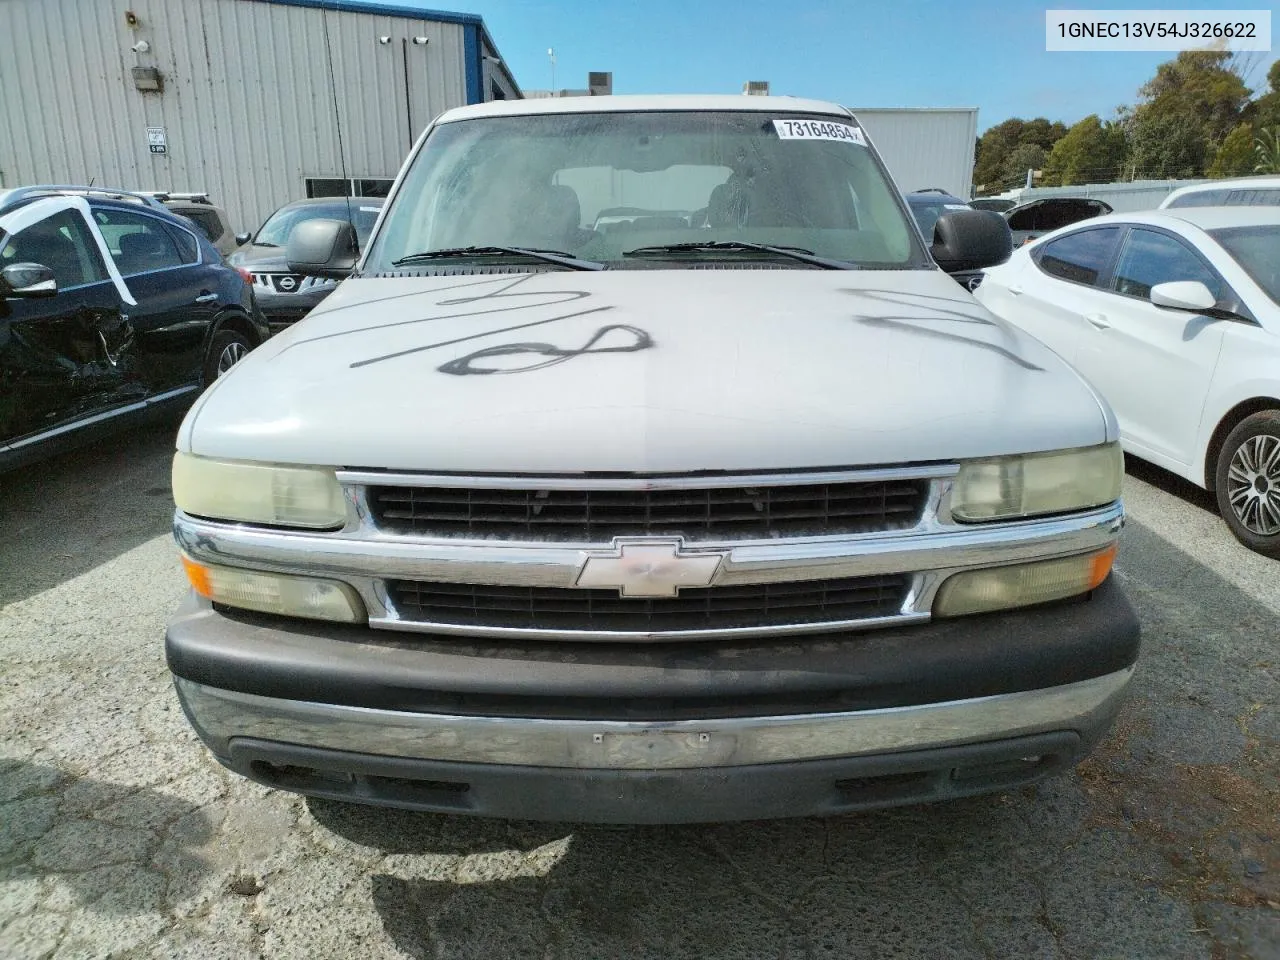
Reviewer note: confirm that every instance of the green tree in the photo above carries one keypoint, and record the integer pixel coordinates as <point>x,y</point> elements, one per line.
<point>996,147</point>
<point>1090,152</point>
<point>1025,156</point>
<point>1266,109</point>
<point>1235,157</point>
<point>1267,151</point>
<point>1186,111</point>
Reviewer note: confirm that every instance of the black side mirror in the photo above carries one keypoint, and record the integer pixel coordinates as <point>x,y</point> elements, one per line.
<point>323,248</point>
<point>971,240</point>
<point>242,239</point>
<point>28,281</point>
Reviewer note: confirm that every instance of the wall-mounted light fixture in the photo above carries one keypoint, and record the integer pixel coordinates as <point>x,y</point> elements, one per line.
<point>384,40</point>
<point>148,79</point>
<point>420,41</point>
<point>141,47</point>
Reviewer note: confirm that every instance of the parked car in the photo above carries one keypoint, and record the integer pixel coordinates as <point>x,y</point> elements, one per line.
<point>926,207</point>
<point>285,295</point>
<point>1249,191</point>
<point>998,204</point>
<point>1032,220</point>
<point>1175,317</point>
<point>198,208</point>
<point>615,510</point>
<point>111,309</point>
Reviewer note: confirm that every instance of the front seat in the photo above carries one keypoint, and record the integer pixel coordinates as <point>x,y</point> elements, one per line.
<point>552,218</point>
<point>41,244</point>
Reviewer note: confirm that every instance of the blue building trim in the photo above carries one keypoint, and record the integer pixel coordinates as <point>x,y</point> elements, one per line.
<point>474,60</point>
<point>386,10</point>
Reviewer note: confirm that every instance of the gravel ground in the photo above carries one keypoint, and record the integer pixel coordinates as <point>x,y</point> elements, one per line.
<point>119,836</point>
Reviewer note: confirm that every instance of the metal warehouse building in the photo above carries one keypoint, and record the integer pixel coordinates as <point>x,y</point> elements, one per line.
<point>925,147</point>
<point>257,102</point>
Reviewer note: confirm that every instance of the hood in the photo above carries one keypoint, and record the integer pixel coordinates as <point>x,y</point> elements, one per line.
<point>645,371</point>
<point>262,259</point>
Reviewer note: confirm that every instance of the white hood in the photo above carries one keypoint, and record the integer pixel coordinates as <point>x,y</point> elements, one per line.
<point>645,371</point>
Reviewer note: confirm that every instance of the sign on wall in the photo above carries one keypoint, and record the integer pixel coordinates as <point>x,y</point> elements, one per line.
<point>156,140</point>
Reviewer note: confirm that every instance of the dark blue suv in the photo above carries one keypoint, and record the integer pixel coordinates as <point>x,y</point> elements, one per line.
<point>111,308</point>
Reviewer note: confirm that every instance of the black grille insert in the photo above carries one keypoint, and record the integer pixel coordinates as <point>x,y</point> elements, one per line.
<point>595,516</point>
<point>701,608</point>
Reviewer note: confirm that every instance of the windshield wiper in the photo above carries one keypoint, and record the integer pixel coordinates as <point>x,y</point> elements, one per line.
<point>262,243</point>
<point>558,257</point>
<point>794,253</point>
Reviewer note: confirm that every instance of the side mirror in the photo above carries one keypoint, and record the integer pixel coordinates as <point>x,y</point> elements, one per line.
<point>322,248</point>
<point>242,239</point>
<point>1183,295</point>
<point>971,240</point>
<point>27,280</point>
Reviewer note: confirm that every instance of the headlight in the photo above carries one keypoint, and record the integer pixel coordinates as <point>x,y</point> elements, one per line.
<point>1022,584</point>
<point>257,492</point>
<point>275,593</point>
<point>1038,483</point>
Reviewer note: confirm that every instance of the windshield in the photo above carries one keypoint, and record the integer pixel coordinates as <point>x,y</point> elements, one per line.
<point>275,232</point>
<point>927,211</point>
<point>1257,250</point>
<point>597,185</point>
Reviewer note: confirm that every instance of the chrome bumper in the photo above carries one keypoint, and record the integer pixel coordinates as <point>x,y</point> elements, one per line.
<point>221,716</point>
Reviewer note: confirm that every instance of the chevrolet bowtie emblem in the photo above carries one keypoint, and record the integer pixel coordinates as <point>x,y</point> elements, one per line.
<point>649,568</point>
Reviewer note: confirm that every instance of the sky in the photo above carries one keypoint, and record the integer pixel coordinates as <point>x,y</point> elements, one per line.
<point>909,53</point>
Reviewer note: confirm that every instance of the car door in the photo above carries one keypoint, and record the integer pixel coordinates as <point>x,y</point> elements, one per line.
<point>1153,363</point>
<point>53,368</point>
<point>1052,297</point>
<point>176,295</point>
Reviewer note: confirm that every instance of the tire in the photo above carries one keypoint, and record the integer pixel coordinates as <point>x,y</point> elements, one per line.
<point>1248,482</point>
<point>227,348</point>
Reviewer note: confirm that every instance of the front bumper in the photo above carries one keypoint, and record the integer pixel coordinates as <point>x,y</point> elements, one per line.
<point>656,733</point>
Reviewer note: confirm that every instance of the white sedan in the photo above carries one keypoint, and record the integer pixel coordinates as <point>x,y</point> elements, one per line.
<point>1174,316</point>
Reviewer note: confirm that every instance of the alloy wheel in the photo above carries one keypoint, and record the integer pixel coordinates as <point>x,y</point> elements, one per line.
<point>231,354</point>
<point>1253,484</point>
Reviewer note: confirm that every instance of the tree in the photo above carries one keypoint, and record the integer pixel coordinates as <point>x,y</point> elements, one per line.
<point>1186,111</point>
<point>1267,151</point>
<point>1025,156</point>
<point>996,147</point>
<point>1235,158</point>
<point>1266,109</point>
<point>1090,152</point>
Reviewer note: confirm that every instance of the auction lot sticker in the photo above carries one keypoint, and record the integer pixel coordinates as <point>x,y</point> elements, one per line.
<point>819,130</point>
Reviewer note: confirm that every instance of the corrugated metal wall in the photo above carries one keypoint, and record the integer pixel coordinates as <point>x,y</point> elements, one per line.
<point>925,148</point>
<point>247,106</point>
<point>1123,197</point>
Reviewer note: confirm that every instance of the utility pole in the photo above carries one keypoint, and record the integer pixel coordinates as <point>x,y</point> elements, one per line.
<point>551,55</point>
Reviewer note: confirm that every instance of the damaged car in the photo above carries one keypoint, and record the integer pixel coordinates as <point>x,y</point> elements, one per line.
<point>112,309</point>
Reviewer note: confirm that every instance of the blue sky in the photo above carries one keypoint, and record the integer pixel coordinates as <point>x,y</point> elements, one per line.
<point>910,53</point>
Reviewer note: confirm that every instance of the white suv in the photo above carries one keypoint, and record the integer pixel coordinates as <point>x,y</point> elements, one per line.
<point>737,507</point>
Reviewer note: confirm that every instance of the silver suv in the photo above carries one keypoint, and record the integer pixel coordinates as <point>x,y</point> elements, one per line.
<point>735,506</point>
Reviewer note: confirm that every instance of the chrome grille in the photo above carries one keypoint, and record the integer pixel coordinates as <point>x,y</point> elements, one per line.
<point>702,608</point>
<point>597,516</point>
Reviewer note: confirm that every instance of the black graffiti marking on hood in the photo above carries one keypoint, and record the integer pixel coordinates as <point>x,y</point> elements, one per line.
<point>912,322</point>
<point>465,366</point>
<point>546,298</point>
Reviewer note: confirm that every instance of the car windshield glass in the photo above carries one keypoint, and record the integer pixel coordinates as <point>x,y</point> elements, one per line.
<point>1257,250</point>
<point>275,232</point>
<point>927,212</point>
<point>599,184</point>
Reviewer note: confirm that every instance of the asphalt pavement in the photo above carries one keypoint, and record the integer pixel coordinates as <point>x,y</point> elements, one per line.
<point>121,837</point>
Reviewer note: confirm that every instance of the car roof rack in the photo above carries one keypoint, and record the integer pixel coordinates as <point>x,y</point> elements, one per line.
<point>191,196</point>
<point>933,190</point>
<point>22,194</point>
